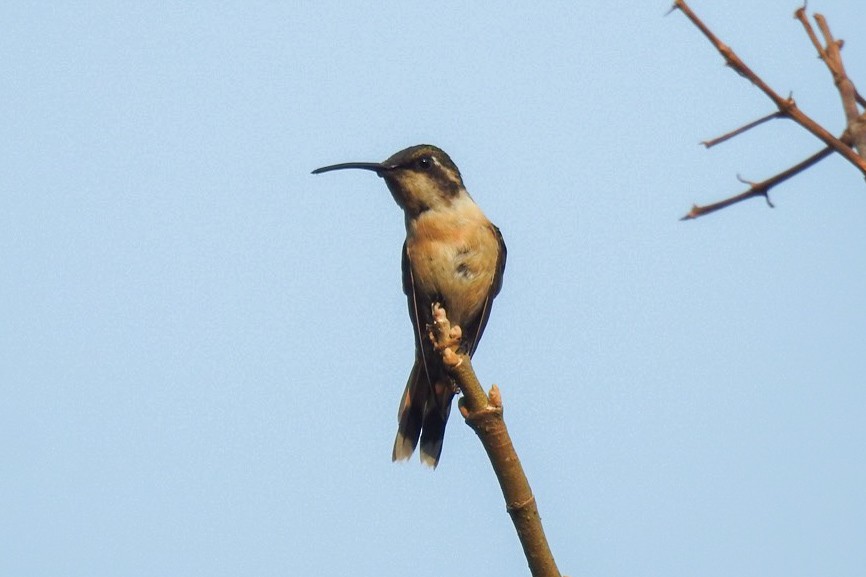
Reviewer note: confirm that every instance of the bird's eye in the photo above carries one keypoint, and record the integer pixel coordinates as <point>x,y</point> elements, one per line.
<point>425,163</point>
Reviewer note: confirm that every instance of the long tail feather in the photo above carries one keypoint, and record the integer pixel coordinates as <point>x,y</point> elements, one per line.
<point>422,416</point>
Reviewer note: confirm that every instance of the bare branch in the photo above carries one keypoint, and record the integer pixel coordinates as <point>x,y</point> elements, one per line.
<point>831,54</point>
<point>484,414</point>
<point>800,14</point>
<point>759,188</point>
<point>787,106</point>
<point>740,130</point>
<point>852,141</point>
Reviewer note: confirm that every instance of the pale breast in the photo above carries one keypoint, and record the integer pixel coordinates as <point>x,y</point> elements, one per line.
<point>454,258</point>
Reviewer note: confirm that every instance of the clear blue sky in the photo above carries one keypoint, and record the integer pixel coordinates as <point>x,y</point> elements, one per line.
<point>202,346</point>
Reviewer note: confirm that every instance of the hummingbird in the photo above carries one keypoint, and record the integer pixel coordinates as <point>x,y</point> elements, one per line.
<point>454,256</point>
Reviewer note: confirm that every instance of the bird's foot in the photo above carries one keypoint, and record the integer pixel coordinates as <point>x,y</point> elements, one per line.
<point>444,336</point>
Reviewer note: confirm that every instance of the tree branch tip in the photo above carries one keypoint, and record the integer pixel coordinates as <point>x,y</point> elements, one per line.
<point>495,397</point>
<point>672,9</point>
<point>692,214</point>
<point>800,11</point>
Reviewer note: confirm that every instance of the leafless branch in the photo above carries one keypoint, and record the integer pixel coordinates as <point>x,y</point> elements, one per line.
<point>831,54</point>
<point>848,145</point>
<point>483,413</point>
<point>740,130</point>
<point>759,188</point>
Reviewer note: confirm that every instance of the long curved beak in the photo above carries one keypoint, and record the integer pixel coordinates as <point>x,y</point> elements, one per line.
<point>376,167</point>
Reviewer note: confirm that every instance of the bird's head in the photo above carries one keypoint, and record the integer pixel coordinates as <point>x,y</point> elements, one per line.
<point>420,178</point>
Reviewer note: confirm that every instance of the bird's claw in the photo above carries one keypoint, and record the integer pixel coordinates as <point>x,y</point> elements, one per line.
<point>442,334</point>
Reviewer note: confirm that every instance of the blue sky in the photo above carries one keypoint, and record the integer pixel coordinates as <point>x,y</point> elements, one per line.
<point>202,346</point>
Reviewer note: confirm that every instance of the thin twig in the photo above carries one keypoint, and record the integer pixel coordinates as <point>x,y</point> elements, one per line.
<point>759,188</point>
<point>831,54</point>
<point>740,130</point>
<point>800,14</point>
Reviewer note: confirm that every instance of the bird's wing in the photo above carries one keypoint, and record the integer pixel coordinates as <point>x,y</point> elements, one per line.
<point>472,333</point>
<point>419,324</point>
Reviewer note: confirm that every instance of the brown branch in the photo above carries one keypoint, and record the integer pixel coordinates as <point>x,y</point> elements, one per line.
<point>832,57</point>
<point>484,414</point>
<point>853,139</point>
<point>740,130</point>
<point>860,100</point>
<point>787,107</point>
<point>759,188</point>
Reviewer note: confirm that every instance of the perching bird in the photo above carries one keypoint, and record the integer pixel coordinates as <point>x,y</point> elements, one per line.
<point>454,256</point>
